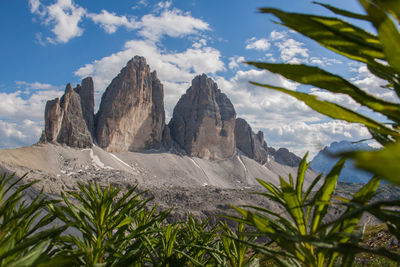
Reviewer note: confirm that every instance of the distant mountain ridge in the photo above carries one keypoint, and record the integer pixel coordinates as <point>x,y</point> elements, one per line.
<point>324,161</point>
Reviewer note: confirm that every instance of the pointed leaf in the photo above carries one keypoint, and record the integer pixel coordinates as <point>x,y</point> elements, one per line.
<point>383,162</point>
<point>324,194</point>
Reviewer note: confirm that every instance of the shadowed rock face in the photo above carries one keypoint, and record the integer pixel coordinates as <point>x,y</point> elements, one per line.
<point>131,115</point>
<point>253,145</point>
<point>86,92</point>
<point>283,156</point>
<point>203,121</point>
<point>65,122</point>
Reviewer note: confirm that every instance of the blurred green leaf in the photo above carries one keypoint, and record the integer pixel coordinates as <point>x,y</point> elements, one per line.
<point>334,34</point>
<point>384,163</point>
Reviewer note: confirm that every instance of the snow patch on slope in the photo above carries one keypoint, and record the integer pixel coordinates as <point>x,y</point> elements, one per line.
<point>123,162</point>
<point>97,162</point>
<point>244,166</point>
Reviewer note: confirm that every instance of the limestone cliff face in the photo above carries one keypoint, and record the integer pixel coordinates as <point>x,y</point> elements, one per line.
<point>203,121</point>
<point>65,122</point>
<point>253,145</point>
<point>86,93</point>
<point>131,115</point>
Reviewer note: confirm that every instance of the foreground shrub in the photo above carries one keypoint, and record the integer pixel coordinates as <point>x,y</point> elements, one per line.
<point>303,235</point>
<point>24,239</point>
<point>380,53</point>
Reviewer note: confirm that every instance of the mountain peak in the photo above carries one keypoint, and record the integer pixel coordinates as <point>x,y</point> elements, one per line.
<point>203,121</point>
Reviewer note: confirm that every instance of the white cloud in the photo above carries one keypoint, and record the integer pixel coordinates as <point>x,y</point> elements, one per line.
<point>292,51</point>
<point>199,43</point>
<point>17,106</point>
<point>235,61</point>
<point>275,35</point>
<point>110,21</point>
<point>302,137</point>
<point>372,84</point>
<point>163,5</point>
<point>63,16</point>
<point>34,6</point>
<point>22,112</point>
<point>173,23</point>
<point>140,3</point>
<point>258,44</point>
<point>36,86</point>
<point>341,99</point>
<point>324,61</point>
<point>24,133</point>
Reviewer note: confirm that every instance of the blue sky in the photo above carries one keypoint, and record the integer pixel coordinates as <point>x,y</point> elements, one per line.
<point>47,43</point>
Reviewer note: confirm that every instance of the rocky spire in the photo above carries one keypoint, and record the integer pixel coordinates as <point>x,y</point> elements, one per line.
<point>65,122</point>
<point>203,121</point>
<point>131,115</point>
<point>86,93</point>
<point>251,144</point>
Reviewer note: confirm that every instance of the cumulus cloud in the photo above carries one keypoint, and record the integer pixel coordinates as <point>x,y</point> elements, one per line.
<point>18,105</point>
<point>258,44</point>
<point>200,43</point>
<point>24,133</point>
<point>372,84</point>
<point>292,51</point>
<point>235,61</point>
<point>341,99</point>
<point>302,137</point>
<point>276,35</point>
<point>63,17</point>
<point>36,86</point>
<point>140,3</point>
<point>34,6</point>
<point>110,21</point>
<point>174,23</point>
<point>21,113</point>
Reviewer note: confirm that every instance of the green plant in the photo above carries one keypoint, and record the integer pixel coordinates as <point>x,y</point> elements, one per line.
<point>304,234</point>
<point>378,52</point>
<point>235,247</point>
<point>24,242</point>
<point>111,230</point>
<point>188,243</point>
